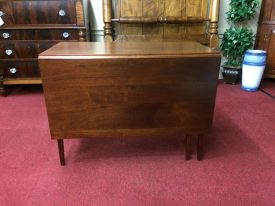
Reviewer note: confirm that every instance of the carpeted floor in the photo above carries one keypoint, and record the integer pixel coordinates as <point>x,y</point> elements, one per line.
<point>238,168</point>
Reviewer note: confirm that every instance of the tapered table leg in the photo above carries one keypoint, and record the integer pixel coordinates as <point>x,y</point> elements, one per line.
<point>200,147</point>
<point>60,144</point>
<point>188,147</point>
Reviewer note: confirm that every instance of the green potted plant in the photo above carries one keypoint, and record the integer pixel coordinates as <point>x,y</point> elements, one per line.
<point>238,38</point>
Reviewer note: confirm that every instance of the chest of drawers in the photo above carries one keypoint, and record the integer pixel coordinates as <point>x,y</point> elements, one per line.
<point>266,36</point>
<point>31,27</point>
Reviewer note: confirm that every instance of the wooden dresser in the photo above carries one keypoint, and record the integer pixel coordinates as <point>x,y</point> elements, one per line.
<point>29,28</point>
<point>266,35</point>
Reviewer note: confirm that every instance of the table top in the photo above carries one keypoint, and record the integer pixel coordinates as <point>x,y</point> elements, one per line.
<point>96,50</point>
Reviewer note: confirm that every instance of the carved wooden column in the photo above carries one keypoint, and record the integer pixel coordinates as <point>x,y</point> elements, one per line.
<point>213,26</point>
<point>107,19</point>
<point>80,20</point>
<point>79,13</point>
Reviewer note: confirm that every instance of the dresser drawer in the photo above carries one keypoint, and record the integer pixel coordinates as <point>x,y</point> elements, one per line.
<point>39,34</point>
<point>23,49</point>
<point>38,12</point>
<point>20,69</point>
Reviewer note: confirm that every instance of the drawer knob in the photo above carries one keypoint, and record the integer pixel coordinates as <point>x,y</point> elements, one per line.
<point>6,35</point>
<point>9,52</point>
<point>66,35</point>
<point>273,31</point>
<point>62,13</point>
<point>13,70</point>
<point>266,36</point>
<point>2,13</point>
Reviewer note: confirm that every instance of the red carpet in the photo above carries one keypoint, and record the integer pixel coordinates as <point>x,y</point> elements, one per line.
<point>238,168</point>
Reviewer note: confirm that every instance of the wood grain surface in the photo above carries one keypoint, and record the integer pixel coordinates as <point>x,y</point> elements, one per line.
<point>46,12</point>
<point>131,91</point>
<point>165,9</point>
<point>126,49</point>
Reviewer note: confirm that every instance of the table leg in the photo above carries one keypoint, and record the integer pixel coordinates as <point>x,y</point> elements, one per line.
<point>188,147</point>
<point>60,144</point>
<point>200,147</point>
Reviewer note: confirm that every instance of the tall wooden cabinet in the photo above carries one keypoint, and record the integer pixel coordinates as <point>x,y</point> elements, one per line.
<point>29,28</point>
<point>266,35</point>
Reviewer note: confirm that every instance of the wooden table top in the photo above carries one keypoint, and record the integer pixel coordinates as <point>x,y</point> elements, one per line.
<point>95,50</point>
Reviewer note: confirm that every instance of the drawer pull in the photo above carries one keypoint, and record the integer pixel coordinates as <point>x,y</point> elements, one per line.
<point>9,52</point>
<point>2,13</point>
<point>6,35</point>
<point>66,35</point>
<point>266,36</point>
<point>62,13</point>
<point>13,70</point>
